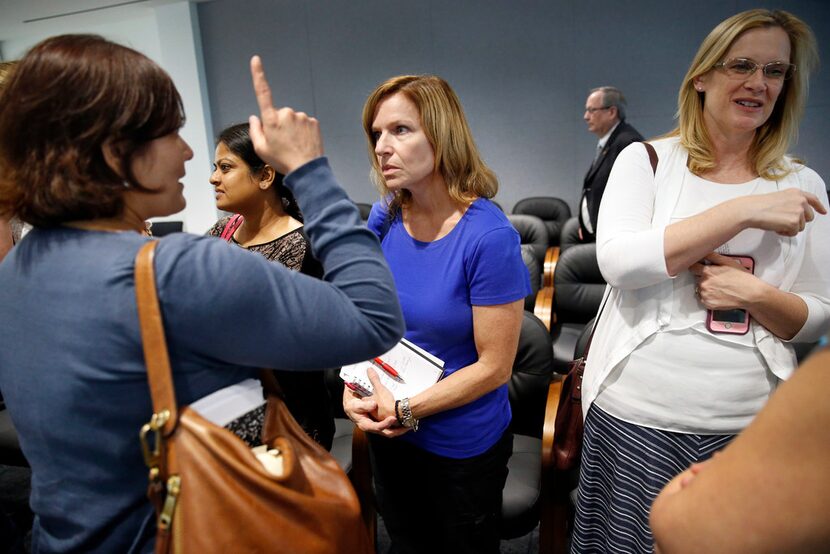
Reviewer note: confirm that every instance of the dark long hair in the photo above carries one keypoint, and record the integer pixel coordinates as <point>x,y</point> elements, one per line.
<point>68,97</point>
<point>238,140</point>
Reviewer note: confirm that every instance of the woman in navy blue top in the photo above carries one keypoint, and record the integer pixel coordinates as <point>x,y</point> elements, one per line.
<point>440,457</point>
<point>90,149</point>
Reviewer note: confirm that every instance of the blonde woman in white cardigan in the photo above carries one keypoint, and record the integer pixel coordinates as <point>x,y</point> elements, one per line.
<point>662,389</point>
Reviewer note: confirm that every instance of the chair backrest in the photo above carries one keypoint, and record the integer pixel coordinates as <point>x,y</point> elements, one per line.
<point>569,235</point>
<point>582,341</point>
<point>10,452</point>
<point>532,231</point>
<point>551,210</point>
<point>335,386</point>
<point>532,371</point>
<point>578,284</point>
<point>365,209</point>
<point>162,228</point>
<point>534,270</point>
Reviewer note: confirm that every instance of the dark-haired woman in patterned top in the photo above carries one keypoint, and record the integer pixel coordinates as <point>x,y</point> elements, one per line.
<point>268,221</point>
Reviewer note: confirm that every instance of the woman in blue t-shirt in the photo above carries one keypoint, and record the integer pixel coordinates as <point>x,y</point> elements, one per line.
<point>440,458</point>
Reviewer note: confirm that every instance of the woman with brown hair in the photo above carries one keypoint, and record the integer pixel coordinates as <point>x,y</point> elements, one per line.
<point>440,469</point>
<point>90,149</point>
<point>716,262</point>
<point>9,230</point>
<point>267,220</point>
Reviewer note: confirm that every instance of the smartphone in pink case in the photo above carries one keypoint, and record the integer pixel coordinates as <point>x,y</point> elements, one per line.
<point>736,321</point>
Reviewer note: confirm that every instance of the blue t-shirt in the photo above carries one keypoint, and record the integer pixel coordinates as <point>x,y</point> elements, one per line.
<point>478,263</point>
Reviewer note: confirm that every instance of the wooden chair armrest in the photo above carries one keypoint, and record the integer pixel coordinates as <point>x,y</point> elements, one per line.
<point>361,476</point>
<point>553,506</point>
<point>549,428</point>
<point>543,308</point>
<point>551,257</point>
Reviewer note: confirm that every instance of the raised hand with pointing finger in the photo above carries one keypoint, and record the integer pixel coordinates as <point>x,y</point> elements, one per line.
<point>285,139</point>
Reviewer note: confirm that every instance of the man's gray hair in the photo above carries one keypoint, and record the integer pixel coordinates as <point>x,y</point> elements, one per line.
<point>612,96</point>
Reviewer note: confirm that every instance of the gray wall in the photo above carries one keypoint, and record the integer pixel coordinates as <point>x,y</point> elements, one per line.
<point>521,68</point>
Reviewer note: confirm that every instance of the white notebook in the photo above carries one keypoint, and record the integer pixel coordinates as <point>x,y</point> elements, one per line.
<point>227,404</point>
<point>417,370</point>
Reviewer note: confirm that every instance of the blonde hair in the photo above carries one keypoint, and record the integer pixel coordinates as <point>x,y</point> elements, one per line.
<point>456,156</point>
<point>773,138</point>
<point>5,72</point>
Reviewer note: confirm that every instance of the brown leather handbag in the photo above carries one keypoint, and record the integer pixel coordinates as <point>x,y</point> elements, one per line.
<point>210,491</point>
<point>567,440</point>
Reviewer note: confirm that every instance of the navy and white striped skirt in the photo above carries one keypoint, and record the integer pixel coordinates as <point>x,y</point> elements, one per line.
<point>624,467</point>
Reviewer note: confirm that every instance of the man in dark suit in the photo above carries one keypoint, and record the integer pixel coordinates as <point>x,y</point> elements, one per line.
<point>605,116</point>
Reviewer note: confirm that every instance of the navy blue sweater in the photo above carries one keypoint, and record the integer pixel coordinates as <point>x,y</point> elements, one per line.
<point>72,369</point>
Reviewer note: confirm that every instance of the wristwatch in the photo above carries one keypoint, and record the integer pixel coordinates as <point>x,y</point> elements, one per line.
<point>406,418</point>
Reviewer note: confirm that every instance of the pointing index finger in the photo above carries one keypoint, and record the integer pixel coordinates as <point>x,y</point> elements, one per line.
<point>261,87</point>
<point>813,200</point>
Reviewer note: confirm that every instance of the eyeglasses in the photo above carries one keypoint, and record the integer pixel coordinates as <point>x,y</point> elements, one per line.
<point>592,110</point>
<point>739,68</point>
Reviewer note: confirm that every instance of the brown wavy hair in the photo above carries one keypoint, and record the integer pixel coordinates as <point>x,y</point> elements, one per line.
<point>68,97</point>
<point>456,156</point>
<point>773,138</point>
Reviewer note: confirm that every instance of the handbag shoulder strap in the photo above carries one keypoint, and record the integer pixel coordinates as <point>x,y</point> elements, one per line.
<point>596,321</point>
<point>270,384</point>
<point>231,226</point>
<point>156,357</point>
<point>652,156</point>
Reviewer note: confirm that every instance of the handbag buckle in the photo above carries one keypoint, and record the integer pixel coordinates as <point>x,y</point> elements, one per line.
<point>151,454</point>
<point>174,484</point>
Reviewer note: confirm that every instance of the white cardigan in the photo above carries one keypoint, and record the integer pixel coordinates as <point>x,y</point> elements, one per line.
<point>636,208</point>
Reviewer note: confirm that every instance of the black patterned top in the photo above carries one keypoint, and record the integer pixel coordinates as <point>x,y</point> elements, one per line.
<point>291,249</point>
<point>305,392</point>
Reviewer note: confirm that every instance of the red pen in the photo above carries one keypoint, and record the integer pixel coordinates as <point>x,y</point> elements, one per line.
<point>387,368</point>
<point>357,389</point>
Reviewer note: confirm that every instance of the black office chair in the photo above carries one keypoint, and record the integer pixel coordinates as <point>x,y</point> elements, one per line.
<point>554,212</point>
<point>578,288</point>
<point>528,390</point>
<point>351,450</point>
<point>533,238</point>
<point>804,349</point>
<point>10,453</point>
<point>570,234</point>
<point>341,447</point>
<point>535,272</point>
<point>532,232</point>
<point>162,228</point>
<point>551,210</point>
<point>535,491</point>
<point>365,210</point>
